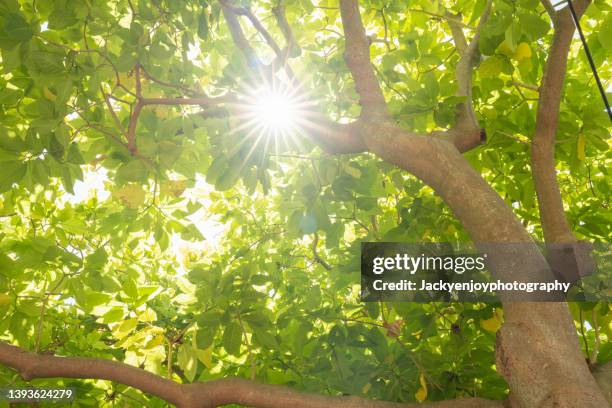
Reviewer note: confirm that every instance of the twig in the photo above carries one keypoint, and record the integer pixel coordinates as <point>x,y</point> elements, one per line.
<point>316,255</point>
<point>526,86</point>
<point>249,348</point>
<point>550,10</point>
<point>593,357</point>
<point>113,114</point>
<point>583,334</point>
<point>442,17</point>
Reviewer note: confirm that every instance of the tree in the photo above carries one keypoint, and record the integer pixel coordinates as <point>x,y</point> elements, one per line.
<point>397,103</point>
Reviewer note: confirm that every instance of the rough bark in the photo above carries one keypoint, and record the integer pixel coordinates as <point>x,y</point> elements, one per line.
<point>603,376</point>
<point>554,222</point>
<point>357,56</point>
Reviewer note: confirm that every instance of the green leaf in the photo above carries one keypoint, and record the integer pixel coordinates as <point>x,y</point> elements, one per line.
<point>62,16</point>
<point>97,259</point>
<point>513,33</point>
<point>187,360</point>
<point>74,154</point>
<point>265,337</point>
<point>605,34</point>
<point>47,63</point>
<point>16,30</point>
<point>205,337</point>
<point>113,316</point>
<point>133,171</point>
<point>67,179</point>
<point>228,179</point>
<point>232,338</point>
<point>130,288</point>
<point>533,26</point>
<point>216,169</point>
<point>367,203</point>
<point>491,67</point>
<point>209,319</point>
<point>12,172</point>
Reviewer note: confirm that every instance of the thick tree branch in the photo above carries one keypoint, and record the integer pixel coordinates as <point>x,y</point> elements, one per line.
<point>357,56</point>
<point>244,11</point>
<point>197,395</point>
<point>554,223</point>
<point>231,14</point>
<point>238,35</point>
<point>291,48</point>
<point>456,27</point>
<point>332,137</point>
<point>264,33</point>
<point>131,133</point>
<point>281,19</point>
<point>549,9</point>
<point>227,391</point>
<point>31,366</point>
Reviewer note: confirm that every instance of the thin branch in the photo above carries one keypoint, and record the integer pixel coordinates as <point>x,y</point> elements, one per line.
<point>132,128</point>
<point>169,359</point>
<point>249,348</point>
<point>281,55</point>
<point>202,101</point>
<point>466,134</point>
<point>105,132</point>
<point>583,335</point>
<point>41,320</point>
<point>448,17</point>
<point>549,9</point>
<point>466,66</point>
<point>595,352</point>
<point>526,86</point>
<point>389,85</point>
<point>386,29</point>
<point>111,110</point>
<point>168,84</point>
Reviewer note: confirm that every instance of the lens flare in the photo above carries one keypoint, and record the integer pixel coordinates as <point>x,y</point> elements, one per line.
<point>272,117</point>
<point>275,111</point>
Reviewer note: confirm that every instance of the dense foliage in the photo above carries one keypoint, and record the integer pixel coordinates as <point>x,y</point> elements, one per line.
<point>212,249</point>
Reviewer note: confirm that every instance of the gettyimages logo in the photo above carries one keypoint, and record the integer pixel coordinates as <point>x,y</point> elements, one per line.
<point>425,272</point>
<point>411,264</point>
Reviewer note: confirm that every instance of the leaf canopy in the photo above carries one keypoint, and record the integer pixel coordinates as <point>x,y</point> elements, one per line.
<point>200,247</point>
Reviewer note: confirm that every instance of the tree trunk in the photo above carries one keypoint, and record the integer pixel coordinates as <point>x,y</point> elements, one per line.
<point>537,347</point>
